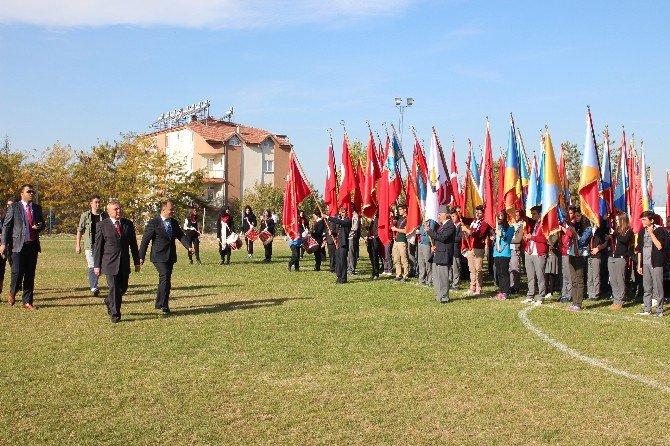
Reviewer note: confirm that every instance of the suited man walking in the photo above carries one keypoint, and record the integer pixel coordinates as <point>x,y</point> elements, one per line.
<point>443,253</point>
<point>162,232</point>
<point>114,236</point>
<point>21,241</point>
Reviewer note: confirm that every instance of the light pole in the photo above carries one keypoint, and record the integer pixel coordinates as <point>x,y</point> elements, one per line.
<point>401,107</point>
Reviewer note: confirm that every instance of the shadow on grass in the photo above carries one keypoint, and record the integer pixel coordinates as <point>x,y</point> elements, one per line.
<point>217,308</point>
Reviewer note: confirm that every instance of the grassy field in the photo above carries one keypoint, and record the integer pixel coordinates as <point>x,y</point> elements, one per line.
<point>253,354</point>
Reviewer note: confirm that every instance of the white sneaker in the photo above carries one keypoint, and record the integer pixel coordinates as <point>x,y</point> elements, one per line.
<point>644,313</point>
<point>548,296</point>
<point>528,300</point>
<point>537,303</point>
<point>654,302</point>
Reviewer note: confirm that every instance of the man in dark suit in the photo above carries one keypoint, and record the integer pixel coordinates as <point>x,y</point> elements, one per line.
<point>373,246</point>
<point>21,241</point>
<point>318,230</point>
<point>162,232</point>
<point>114,236</point>
<point>342,224</point>
<point>443,253</point>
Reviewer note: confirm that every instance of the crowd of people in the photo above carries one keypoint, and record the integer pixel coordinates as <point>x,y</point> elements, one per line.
<point>580,261</point>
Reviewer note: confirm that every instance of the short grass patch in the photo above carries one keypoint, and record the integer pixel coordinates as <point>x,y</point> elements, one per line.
<point>254,354</point>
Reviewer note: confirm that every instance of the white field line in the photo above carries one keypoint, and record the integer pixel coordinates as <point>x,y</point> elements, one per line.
<point>523,315</point>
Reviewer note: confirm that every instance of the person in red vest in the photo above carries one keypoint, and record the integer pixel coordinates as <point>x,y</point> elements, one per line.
<point>536,247</point>
<point>477,234</point>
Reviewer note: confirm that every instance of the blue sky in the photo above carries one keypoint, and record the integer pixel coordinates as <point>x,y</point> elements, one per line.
<point>80,71</point>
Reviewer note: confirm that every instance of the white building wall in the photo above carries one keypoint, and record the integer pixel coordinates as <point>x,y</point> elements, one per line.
<point>179,147</point>
<point>252,167</point>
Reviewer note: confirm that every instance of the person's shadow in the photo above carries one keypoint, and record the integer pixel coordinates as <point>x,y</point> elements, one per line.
<point>216,308</point>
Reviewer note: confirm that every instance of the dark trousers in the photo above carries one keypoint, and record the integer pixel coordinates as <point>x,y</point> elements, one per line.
<point>295,257</point>
<point>3,265</point>
<point>318,258</point>
<point>373,252</point>
<point>250,245</point>
<point>268,251</point>
<point>502,273</point>
<point>577,267</point>
<point>331,256</point>
<point>194,240</point>
<point>224,251</point>
<point>341,262</point>
<point>23,272</point>
<point>118,285</point>
<point>164,284</point>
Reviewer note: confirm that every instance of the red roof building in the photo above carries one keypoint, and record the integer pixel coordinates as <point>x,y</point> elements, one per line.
<point>233,157</point>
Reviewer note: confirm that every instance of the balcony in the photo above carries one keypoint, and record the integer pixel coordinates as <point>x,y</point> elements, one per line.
<point>213,176</point>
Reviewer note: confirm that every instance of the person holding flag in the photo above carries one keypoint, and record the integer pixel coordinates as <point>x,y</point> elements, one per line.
<point>652,244</point>
<point>477,234</point>
<point>502,254</point>
<point>342,225</point>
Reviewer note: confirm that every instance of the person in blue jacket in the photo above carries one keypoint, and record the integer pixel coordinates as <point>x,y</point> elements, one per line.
<point>502,254</point>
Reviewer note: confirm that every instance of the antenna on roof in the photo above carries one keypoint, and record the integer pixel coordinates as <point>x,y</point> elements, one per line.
<point>181,116</point>
<point>229,114</point>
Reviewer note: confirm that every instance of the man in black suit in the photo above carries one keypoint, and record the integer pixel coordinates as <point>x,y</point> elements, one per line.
<point>342,225</point>
<point>373,246</point>
<point>114,236</point>
<point>162,232</point>
<point>318,230</point>
<point>21,241</point>
<point>443,253</point>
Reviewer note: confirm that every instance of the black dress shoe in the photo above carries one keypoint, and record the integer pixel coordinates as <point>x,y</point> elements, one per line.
<point>96,292</point>
<point>289,267</point>
<point>165,310</point>
<point>115,320</point>
<point>222,262</point>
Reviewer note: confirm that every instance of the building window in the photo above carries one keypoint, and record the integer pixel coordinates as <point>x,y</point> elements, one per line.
<point>268,166</point>
<point>234,141</point>
<point>210,193</point>
<point>210,164</point>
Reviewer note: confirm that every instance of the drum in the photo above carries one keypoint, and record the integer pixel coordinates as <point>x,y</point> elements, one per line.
<point>251,235</point>
<point>311,245</point>
<point>234,241</point>
<point>265,237</point>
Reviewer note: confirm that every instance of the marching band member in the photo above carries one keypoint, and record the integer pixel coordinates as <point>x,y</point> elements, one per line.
<point>193,234</point>
<point>267,224</point>
<point>249,222</point>
<point>318,230</point>
<point>224,228</point>
<point>652,242</point>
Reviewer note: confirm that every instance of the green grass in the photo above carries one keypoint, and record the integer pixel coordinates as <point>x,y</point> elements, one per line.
<point>254,354</point>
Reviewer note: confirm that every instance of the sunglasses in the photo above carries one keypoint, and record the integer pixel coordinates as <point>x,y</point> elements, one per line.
<point>30,191</point>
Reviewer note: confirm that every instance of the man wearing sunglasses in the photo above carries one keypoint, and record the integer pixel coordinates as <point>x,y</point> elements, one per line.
<point>21,241</point>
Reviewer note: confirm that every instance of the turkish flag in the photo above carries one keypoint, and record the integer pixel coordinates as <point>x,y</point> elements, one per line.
<point>295,192</point>
<point>370,180</point>
<point>348,180</point>
<point>330,192</point>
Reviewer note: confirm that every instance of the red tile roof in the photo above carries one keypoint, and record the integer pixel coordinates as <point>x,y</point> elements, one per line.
<point>220,131</point>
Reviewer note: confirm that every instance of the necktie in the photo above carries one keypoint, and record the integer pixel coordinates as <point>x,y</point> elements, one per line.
<point>29,213</point>
<point>168,228</point>
<point>117,226</point>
